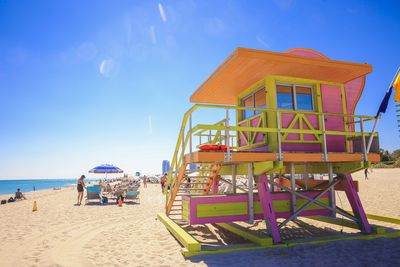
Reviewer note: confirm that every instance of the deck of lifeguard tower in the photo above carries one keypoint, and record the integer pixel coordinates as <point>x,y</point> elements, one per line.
<point>265,140</point>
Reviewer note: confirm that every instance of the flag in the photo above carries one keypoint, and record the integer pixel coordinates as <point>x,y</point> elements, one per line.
<point>396,87</point>
<point>385,101</point>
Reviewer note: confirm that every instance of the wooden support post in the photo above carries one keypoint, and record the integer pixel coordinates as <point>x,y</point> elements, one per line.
<point>324,145</point>
<point>305,175</point>
<point>215,185</point>
<point>332,197</point>
<point>278,122</point>
<point>268,209</point>
<point>227,143</point>
<point>364,149</point>
<point>234,178</point>
<point>292,187</point>
<point>355,204</point>
<point>190,138</point>
<point>250,178</point>
<point>272,179</point>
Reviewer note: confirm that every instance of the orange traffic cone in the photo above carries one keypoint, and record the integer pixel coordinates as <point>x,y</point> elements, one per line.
<point>120,202</point>
<point>34,208</point>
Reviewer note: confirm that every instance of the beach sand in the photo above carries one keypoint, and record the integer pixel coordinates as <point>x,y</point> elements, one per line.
<point>61,234</point>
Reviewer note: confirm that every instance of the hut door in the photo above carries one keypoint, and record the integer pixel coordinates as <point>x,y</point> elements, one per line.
<point>332,103</point>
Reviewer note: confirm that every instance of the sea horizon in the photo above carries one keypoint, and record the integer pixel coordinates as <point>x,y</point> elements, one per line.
<point>9,186</point>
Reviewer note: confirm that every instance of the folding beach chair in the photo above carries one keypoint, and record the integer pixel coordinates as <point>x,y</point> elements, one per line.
<point>93,193</point>
<point>133,196</point>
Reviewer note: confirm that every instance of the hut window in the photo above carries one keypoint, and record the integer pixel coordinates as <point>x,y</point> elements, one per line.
<point>254,100</point>
<point>285,96</point>
<point>248,102</point>
<point>295,97</point>
<point>304,98</point>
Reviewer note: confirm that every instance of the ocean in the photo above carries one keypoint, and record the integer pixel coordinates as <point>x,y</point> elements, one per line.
<point>10,186</point>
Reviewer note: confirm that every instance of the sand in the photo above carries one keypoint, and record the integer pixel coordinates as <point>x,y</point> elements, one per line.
<point>61,234</point>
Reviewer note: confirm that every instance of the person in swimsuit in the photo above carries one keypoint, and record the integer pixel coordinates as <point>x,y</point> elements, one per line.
<point>19,195</point>
<point>80,184</point>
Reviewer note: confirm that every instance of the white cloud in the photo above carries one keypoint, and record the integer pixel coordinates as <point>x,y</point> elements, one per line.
<point>262,41</point>
<point>162,12</point>
<point>152,33</point>
<point>107,67</point>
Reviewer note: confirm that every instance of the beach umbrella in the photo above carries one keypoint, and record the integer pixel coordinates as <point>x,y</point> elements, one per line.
<point>106,168</point>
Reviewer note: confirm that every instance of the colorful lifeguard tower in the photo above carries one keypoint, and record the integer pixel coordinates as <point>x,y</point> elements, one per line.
<point>282,119</point>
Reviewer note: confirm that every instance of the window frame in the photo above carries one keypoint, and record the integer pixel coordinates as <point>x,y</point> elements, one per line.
<point>294,94</point>
<point>252,95</point>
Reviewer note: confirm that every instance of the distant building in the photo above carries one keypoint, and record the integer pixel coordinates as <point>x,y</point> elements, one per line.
<point>193,166</point>
<point>165,166</point>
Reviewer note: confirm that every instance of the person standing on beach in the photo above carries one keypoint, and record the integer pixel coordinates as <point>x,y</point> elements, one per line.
<point>366,173</point>
<point>80,184</point>
<point>163,179</point>
<point>145,181</point>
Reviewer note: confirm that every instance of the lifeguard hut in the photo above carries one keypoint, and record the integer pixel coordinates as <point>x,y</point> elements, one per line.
<point>287,114</point>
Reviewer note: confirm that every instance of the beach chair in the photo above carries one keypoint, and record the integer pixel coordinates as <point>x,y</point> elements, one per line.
<point>133,188</point>
<point>133,196</point>
<point>93,193</point>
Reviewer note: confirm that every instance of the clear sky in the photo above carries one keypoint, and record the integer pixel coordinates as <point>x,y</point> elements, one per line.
<point>89,82</point>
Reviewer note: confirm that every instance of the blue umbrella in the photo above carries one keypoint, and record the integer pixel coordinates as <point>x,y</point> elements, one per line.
<point>106,168</point>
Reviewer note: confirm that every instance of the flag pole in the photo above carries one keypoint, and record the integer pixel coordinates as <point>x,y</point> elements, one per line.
<point>371,137</point>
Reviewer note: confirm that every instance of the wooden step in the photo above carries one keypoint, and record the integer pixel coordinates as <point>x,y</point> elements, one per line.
<point>193,183</point>
<point>199,170</point>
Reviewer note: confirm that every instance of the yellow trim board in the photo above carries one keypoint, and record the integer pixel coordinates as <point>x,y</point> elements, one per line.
<point>184,238</point>
<point>380,218</point>
<point>246,234</point>
<point>188,253</point>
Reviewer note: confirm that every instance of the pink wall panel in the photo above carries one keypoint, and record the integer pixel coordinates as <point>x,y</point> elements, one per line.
<point>352,90</point>
<point>301,147</point>
<point>332,103</point>
<point>286,120</point>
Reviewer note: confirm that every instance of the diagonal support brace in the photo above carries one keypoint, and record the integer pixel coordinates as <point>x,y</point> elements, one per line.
<point>319,203</point>
<point>268,210</point>
<point>310,202</point>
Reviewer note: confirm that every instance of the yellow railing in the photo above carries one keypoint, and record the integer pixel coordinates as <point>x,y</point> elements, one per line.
<point>227,133</point>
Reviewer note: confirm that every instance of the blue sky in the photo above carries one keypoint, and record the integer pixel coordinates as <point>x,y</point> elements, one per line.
<point>90,82</point>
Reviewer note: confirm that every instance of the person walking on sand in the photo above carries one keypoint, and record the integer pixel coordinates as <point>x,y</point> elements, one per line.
<point>80,184</point>
<point>366,173</point>
<point>145,181</point>
<point>163,179</point>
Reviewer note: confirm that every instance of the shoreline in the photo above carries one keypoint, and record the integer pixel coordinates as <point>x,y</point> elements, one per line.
<point>72,183</point>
